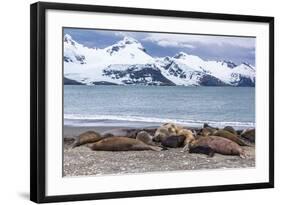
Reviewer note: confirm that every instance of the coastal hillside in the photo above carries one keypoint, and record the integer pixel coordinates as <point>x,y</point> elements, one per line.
<point>128,62</point>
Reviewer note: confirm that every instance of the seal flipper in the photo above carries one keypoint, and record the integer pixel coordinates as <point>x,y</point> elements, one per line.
<point>76,143</point>
<point>185,148</point>
<point>155,148</point>
<point>243,155</point>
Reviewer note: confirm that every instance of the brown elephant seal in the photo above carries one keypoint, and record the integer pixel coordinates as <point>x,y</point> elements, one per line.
<point>162,133</point>
<point>202,149</point>
<point>128,132</point>
<point>131,133</point>
<point>207,131</point>
<point>230,136</point>
<point>169,129</point>
<point>122,144</point>
<point>87,137</point>
<point>171,135</point>
<point>230,129</point>
<point>173,141</point>
<point>145,137</point>
<point>174,128</point>
<point>188,135</point>
<point>249,134</point>
<point>218,145</point>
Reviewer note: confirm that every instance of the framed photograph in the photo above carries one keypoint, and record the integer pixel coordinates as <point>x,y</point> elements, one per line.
<point>129,102</point>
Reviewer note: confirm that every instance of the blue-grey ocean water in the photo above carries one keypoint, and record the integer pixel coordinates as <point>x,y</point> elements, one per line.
<point>139,106</point>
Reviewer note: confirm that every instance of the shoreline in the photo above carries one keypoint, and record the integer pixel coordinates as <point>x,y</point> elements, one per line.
<point>117,123</point>
<point>82,161</point>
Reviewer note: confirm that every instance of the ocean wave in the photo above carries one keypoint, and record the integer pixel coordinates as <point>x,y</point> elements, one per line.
<point>105,118</point>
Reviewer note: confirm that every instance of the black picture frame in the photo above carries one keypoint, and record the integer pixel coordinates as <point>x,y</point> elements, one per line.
<point>38,101</point>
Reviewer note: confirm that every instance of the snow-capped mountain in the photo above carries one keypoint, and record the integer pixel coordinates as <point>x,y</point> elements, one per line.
<point>127,62</point>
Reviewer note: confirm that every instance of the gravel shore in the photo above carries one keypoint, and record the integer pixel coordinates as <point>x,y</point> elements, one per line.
<point>83,161</point>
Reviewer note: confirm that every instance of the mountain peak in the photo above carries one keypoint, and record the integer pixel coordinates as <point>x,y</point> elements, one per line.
<point>68,39</point>
<point>180,55</point>
<point>229,63</point>
<point>126,42</point>
<point>129,40</point>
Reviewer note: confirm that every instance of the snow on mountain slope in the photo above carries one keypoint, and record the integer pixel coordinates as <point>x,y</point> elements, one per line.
<point>127,62</point>
<point>190,69</point>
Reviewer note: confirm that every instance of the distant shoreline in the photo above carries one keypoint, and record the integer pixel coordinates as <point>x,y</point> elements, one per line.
<point>68,81</point>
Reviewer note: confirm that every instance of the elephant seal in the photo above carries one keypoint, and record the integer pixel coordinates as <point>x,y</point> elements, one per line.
<point>145,137</point>
<point>162,133</point>
<point>131,133</point>
<point>122,144</point>
<point>172,135</point>
<point>218,145</point>
<point>230,136</point>
<point>230,129</point>
<point>173,141</point>
<point>202,149</point>
<point>249,134</point>
<point>87,137</point>
<point>188,135</point>
<point>207,131</point>
<point>173,128</point>
<point>128,132</point>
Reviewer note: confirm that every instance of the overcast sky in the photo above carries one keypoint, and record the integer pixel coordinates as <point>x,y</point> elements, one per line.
<point>236,49</point>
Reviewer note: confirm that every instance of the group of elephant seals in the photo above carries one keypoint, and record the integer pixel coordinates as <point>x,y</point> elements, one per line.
<point>208,140</point>
<point>122,144</point>
<point>215,144</point>
<point>228,133</point>
<point>110,142</point>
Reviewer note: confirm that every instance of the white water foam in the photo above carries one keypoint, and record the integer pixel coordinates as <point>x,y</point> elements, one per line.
<point>72,119</point>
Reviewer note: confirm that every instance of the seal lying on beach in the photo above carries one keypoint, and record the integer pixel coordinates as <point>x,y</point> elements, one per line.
<point>230,136</point>
<point>188,134</point>
<point>230,129</point>
<point>173,141</point>
<point>249,134</point>
<point>128,132</point>
<point>207,131</point>
<point>202,149</point>
<point>216,144</point>
<point>131,133</point>
<point>122,144</point>
<point>165,130</point>
<point>145,137</point>
<point>161,133</point>
<point>172,135</point>
<point>87,137</point>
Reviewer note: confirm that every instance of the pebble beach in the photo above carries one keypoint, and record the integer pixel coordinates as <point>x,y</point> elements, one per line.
<point>82,161</point>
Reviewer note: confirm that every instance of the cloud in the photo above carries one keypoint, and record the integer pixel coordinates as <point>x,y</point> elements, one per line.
<point>184,40</point>
<point>165,43</point>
